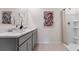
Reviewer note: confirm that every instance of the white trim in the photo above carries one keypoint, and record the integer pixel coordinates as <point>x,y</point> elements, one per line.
<point>49,42</point>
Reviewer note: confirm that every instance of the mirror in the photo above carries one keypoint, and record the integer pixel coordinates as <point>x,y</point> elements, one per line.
<point>10,17</point>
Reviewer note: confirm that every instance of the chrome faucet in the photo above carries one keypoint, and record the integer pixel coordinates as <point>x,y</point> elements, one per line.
<point>21,26</point>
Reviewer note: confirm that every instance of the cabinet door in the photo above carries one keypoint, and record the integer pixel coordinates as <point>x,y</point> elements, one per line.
<point>24,47</point>
<point>30,44</point>
<point>34,38</point>
<point>7,44</point>
<point>25,37</point>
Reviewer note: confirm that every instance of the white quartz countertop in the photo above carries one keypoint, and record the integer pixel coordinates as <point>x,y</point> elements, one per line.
<point>16,34</point>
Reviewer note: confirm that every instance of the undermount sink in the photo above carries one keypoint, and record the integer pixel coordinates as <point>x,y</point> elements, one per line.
<point>16,30</point>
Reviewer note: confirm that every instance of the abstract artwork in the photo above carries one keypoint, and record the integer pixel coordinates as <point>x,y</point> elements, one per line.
<point>6,17</point>
<point>48,18</point>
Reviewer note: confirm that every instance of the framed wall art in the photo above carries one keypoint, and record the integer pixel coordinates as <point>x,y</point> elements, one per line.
<point>48,18</point>
<point>6,17</point>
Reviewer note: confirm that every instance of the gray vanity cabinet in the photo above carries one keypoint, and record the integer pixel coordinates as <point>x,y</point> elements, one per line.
<point>24,42</point>
<point>28,41</point>
<point>7,44</point>
<point>24,47</point>
<point>29,44</point>
<point>34,38</point>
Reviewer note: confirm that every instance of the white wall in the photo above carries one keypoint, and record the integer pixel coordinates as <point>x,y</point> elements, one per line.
<point>46,34</point>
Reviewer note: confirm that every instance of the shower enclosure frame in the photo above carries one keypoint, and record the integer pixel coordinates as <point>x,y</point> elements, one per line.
<point>68,38</point>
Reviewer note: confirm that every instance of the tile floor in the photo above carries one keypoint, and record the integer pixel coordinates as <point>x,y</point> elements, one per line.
<point>50,47</point>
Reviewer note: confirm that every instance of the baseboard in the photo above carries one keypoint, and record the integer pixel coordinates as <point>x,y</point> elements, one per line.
<point>54,42</point>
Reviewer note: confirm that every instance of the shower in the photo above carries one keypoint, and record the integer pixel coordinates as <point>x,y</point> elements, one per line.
<point>70,20</point>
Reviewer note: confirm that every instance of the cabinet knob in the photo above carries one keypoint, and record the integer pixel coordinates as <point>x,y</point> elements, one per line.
<point>68,23</point>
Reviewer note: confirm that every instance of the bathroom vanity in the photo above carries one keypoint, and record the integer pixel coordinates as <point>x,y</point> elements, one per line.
<point>18,41</point>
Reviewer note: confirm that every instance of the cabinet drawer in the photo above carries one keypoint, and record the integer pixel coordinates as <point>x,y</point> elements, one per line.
<point>25,37</point>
